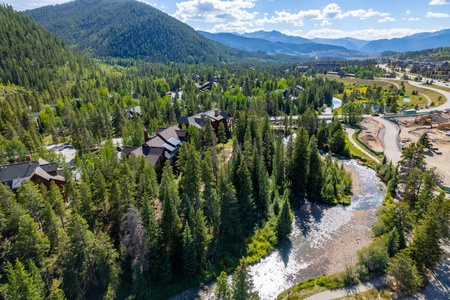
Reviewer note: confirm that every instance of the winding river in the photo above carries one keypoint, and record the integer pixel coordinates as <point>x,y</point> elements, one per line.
<point>320,235</point>
<point>309,250</point>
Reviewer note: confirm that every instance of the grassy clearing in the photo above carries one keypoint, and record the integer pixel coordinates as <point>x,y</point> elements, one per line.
<point>419,99</point>
<point>357,81</point>
<point>315,285</point>
<point>224,151</point>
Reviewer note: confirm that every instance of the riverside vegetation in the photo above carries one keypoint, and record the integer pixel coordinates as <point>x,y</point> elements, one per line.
<point>408,234</point>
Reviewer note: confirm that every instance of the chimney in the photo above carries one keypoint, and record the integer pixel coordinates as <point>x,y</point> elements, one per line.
<point>216,112</point>
<point>146,137</point>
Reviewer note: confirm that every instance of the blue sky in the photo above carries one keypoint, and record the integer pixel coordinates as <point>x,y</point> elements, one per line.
<point>360,19</point>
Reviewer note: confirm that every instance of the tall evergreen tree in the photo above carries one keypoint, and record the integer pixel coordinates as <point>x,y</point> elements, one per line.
<point>300,164</point>
<point>30,242</point>
<point>190,166</point>
<point>242,285</point>
<point>189,255</point>
<point>230,236</point>
<point>284,220</point>
<point>279,171</point>
<point>425,246</point>
<point>21,285</point>
<point>223,290</point>
<point>403,268</point>
<point>244,193</point>
<point>315,180</point>
<point>260,183</point>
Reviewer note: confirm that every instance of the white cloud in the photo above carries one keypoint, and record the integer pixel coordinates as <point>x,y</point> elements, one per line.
<point>408,11</point>
<point>439,2</point>
<point>413,19</point>
<point>237,26</point>
<point>363,14</point>
<point>329,12</point>
<point>365,34</point>
<point>31,4</point>
<point>215,10</point>
<point>436,15</point>
<point>386,19</point>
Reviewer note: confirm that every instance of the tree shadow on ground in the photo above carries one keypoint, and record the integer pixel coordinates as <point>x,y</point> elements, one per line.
<point>306,214</point>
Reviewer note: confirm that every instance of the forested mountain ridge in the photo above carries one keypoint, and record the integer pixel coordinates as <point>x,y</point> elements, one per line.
<point>32,57</point>
<point>132,29</point>
<point>270,44</point>
<point>436,54</point>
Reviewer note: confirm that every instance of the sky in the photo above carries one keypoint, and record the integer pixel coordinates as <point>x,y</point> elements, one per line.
<point>361,19</point>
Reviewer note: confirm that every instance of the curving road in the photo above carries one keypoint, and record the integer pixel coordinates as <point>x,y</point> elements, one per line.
<point>445,93</point>
<point>390,138</point>
<point>350,132</point>
<point>351,290</point>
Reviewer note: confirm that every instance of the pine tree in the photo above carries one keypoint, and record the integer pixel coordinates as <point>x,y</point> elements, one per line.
<point>242,285</point>
<point>223,291</point>
<point>279,165</point>
<point>315,179</point>
<point>244,193</point>
<point>403,268</point>
<point>31,244</point>
<point>21,285</point>
<point>190,166</point>
<point>260,183</point>
<point>209,137</point>
<point>221,134</point>
<point>55,292</point>
<point>211,205</point>
<point>300,164</point>
<point>140,289</point>
<point>425,246</point>
<point>268,144</point>
<point>189,255</point>
<point>284,220</point>
<point>230,232</point>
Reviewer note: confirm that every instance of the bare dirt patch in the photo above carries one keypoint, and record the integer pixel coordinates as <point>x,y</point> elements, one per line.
<point>410,132</point>
<point>369,134</point>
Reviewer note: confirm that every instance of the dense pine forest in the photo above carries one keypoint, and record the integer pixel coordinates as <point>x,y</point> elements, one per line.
<point>120,229</point>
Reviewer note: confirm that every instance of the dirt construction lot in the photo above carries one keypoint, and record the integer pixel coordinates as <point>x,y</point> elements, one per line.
<point>439,159</point>
<point>369,134</point>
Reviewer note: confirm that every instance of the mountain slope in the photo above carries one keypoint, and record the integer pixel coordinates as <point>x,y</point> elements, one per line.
<point>349,43</point>
<point>30,56</point>
<point>128,29</point>
<point>276,36</point>
<point>420,41</point>
<point>304,49</point>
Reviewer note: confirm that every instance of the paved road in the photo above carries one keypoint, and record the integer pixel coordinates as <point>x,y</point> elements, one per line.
<point>445,93</point>
<point>351,290</point>
<point>350,132</point>
<point>389,137</point>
